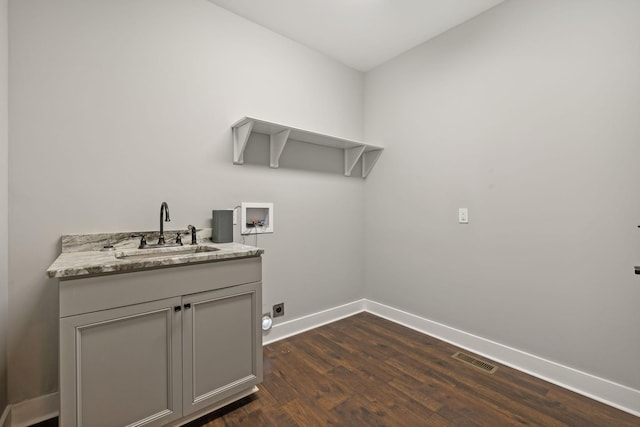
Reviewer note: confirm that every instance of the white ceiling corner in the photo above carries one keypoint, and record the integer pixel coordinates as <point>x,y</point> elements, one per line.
<point>359,33</point>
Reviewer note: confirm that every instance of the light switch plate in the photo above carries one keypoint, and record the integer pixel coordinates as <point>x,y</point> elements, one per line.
<point>463,215</point>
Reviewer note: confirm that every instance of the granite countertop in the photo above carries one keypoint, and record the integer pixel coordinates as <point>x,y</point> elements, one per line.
<point>85,254</point>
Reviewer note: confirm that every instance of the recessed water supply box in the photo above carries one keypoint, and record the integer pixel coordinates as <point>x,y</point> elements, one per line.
<point>256,218</point>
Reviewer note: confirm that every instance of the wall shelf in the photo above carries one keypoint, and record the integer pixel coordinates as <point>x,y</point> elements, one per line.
<point>280,134</point>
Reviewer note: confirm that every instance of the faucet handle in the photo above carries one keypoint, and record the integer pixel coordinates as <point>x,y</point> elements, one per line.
<point>143,240</point>
<point>179,236</point>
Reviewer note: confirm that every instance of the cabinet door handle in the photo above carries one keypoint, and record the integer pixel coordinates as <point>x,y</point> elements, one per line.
<point>177,308</point>
<point>187,305</point>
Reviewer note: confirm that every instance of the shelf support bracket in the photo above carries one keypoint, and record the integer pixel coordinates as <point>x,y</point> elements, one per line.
<point>240,138</point>
<point>277,141</point>
<point>351,157</point>
<point>369,159</point>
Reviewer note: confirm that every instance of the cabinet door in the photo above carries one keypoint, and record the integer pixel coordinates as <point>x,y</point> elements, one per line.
<point>222,344</point>
<point>122,367</point>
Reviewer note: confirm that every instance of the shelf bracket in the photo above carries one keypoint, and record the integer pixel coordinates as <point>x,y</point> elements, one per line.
<point>240,138</point>
<point>369,159</point>
<point>351,157</point>
<point>277,141</point>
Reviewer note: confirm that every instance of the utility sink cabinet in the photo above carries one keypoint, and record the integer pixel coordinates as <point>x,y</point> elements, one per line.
<point>159,347</point>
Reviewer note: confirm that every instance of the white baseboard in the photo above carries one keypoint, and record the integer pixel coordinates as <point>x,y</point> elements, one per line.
<point>5,418</point>
<point>35,410</point>
<point>302,324</point>
<point>617,395</point>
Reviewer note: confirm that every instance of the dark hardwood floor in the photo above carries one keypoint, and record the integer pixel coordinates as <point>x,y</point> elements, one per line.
<point>366,371</point>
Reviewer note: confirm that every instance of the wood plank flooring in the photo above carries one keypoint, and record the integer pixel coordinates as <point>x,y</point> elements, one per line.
<point>367,371</point>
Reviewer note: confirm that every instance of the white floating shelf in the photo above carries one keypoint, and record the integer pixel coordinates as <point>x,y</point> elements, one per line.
<point>280,134</point>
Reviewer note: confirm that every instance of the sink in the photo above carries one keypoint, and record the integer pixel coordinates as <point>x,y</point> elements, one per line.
<point>163,252</point>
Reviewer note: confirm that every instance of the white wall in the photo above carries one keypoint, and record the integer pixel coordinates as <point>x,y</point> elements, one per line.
<point>119,105</point>
<point>4,198</point>
<point>528,116</point>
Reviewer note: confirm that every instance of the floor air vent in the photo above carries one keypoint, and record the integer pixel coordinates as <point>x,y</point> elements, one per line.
<point>480,364</point>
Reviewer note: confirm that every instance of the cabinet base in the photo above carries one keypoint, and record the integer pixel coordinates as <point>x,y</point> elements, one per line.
<point>209,409</point>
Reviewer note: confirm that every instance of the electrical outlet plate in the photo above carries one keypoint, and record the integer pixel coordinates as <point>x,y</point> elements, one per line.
<point>278,310</point>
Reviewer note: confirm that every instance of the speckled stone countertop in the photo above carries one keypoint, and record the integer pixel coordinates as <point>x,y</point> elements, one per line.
<point>86,254</point>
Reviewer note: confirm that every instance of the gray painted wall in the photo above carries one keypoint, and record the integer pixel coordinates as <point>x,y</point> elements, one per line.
<point>119,105</point>
<point>4,198</point>
<point>528,116</point>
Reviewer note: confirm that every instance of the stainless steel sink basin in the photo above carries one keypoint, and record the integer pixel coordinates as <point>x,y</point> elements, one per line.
<point>163,252</point>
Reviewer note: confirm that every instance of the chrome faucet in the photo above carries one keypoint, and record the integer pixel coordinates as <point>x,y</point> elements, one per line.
<point>164,207</point>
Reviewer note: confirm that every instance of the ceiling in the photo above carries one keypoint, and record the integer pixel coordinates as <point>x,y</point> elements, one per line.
<point>359,33</point>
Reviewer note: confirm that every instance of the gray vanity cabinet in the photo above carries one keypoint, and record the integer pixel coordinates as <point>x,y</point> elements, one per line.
<point>159,347</point>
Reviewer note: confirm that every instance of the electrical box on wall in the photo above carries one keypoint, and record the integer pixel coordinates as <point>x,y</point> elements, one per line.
<point>256,218</point>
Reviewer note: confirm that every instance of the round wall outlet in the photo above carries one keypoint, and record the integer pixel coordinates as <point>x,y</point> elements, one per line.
<point>278,310</point>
